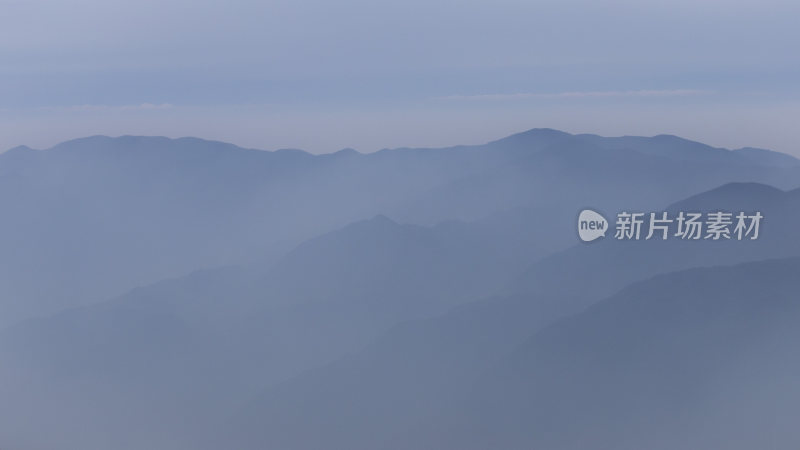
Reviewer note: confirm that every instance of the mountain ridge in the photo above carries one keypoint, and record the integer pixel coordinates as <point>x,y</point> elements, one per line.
<point>429,361</point>
<point>543,136</point>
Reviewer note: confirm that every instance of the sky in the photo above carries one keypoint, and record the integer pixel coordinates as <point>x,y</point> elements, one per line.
<point>321,75</point>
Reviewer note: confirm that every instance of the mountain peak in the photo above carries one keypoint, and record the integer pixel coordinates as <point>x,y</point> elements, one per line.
<point>732,195</point>
<point>19,149</point>
<point>102,141</point>
<point>380,218</point>
<point>670,137</point>
<point>745,188</point>
<point>538,138</point>
<point>539,133</point>
<point>545,132</point>
<point>378,225</point>
<point>347,152</point>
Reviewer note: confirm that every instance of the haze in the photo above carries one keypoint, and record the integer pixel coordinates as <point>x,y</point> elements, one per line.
<point>322,76</point>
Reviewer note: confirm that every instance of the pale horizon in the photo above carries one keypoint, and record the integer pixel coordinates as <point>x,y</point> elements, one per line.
<point>321,77</point>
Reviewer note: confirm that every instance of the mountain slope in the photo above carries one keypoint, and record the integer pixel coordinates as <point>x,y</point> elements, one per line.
<point>141,209</point>
<point>768,157</point>
<point>408,375</point>
<point>697,359</point>
<point>635,260</point>
<point>189,350</point>
<point>693,359</point>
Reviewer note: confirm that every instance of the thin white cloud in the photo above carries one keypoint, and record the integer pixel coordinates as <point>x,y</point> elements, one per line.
<point>90,108</point>
<point>581,94</point>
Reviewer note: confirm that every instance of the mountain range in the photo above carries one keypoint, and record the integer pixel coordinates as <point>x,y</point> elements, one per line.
<point>182,293</point>
<point>419,368</point>
<point>142,209</point>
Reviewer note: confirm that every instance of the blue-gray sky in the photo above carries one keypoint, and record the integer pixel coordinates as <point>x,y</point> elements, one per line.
<point>323,75</point>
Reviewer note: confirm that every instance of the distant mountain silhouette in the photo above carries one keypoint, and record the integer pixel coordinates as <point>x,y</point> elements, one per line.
<point>406,377</point>
<point>703,358</point>
<point>668,146</point>
<point>694,359</point>
<point>389,282</point>
<point>768,157</point>
<point>634,260</point>
<point>219,336</point>
<point>140,209</point>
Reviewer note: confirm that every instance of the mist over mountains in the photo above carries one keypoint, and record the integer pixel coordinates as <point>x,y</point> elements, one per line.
<point>140,209</point>
<point>184,294</point>
<point>419,370</point>
<point>702,358</point>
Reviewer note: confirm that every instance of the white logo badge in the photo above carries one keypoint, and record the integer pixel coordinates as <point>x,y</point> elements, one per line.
<point>591,225</point>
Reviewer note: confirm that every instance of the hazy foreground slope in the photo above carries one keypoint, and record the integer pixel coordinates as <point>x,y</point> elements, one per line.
<point>407,376</point>
<point>188,351</point>
<point>95,217</point>
<point>699,359</point>
<point>705,358</point>
<point>164,365</point>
